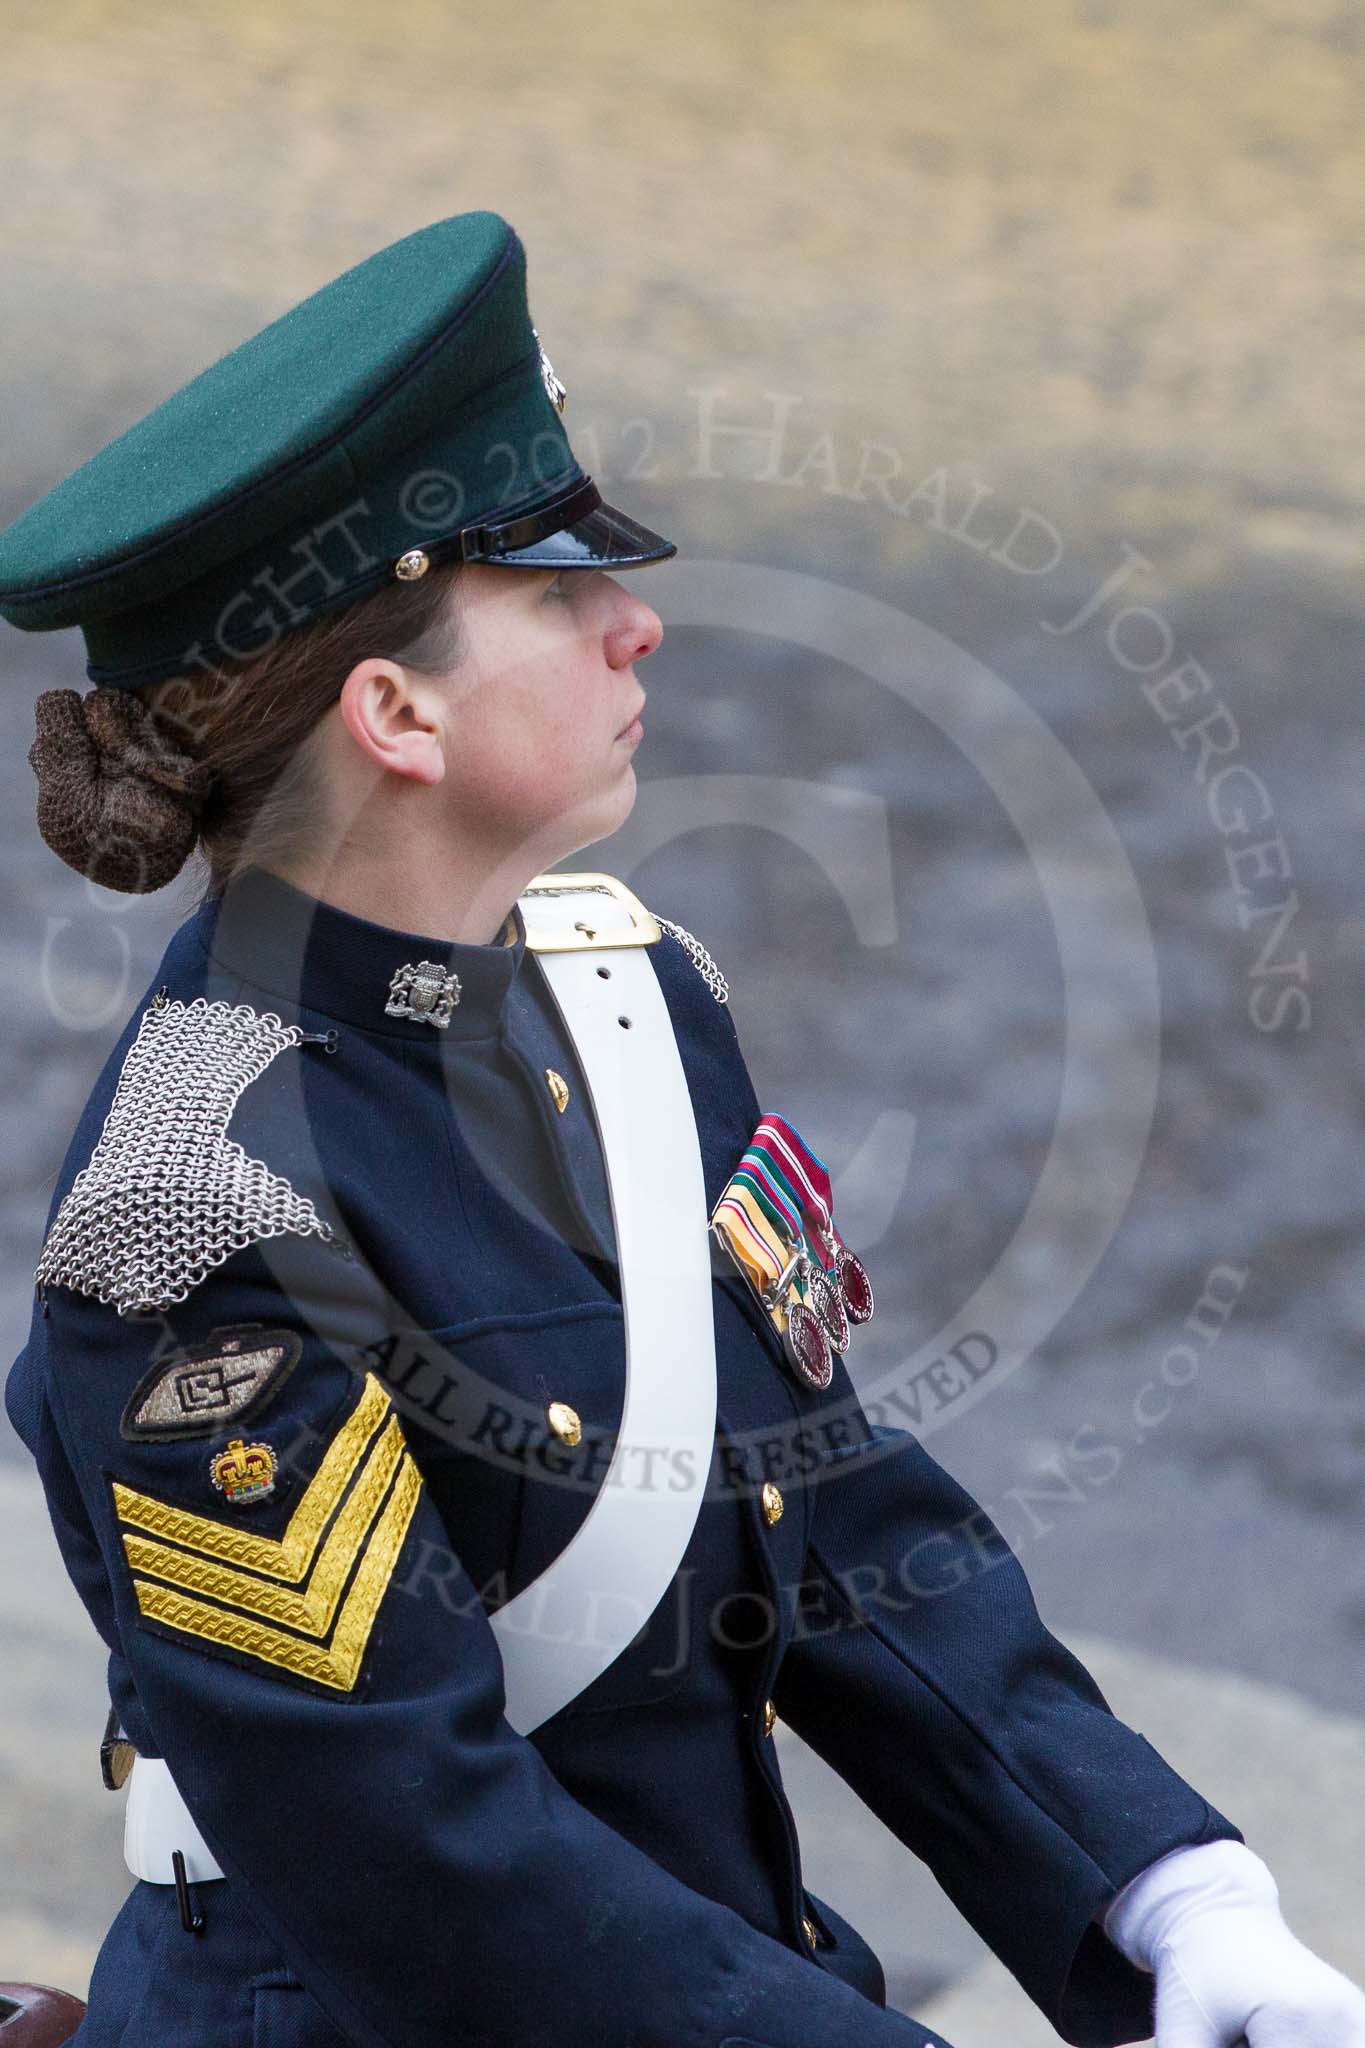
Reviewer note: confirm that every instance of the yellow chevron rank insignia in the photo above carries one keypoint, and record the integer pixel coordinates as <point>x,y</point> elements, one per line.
<point>304,1601</point>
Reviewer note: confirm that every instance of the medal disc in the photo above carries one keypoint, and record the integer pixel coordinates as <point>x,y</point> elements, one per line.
<point>855,1286</point>
<point>828,1304</point>
<point>807,1347</point>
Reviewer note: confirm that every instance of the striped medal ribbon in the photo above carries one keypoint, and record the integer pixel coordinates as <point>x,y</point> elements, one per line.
<point>765,1172</point>
<point>807,1178</point>
<point>775,1217</point>
<point>770,1250</point>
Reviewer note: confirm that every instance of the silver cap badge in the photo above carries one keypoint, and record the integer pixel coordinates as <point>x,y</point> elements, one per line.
<point>424,991</point>
<point>554,389</point>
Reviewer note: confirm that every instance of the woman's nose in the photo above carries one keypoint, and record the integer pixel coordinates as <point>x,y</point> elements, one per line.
<point>634,633</point>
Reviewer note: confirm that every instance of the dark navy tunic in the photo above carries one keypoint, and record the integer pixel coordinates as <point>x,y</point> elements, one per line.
<point>403,1870</point>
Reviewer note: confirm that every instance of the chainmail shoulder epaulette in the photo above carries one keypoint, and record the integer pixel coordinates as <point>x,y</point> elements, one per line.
<point>166,1194</point>
<point>700,958</point>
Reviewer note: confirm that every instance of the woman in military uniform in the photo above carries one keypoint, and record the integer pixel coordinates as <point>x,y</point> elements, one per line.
<point>450,1722</point>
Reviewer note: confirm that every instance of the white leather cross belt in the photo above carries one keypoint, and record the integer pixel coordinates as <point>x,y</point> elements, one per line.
<point>588,934</point>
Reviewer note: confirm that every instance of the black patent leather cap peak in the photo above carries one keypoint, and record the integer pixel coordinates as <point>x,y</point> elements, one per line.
<point>574,529</point>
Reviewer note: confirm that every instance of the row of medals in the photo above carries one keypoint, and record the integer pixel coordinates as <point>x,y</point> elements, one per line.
<point>775,1220</point>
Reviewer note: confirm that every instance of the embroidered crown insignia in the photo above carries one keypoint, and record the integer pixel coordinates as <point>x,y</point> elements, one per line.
<point>244,1471</point>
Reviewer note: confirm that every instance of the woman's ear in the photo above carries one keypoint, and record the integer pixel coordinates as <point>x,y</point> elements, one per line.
<point>393,715</point>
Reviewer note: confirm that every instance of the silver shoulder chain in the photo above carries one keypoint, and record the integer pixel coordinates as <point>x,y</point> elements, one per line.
<point>700,958</point>
<point>166,1194</point>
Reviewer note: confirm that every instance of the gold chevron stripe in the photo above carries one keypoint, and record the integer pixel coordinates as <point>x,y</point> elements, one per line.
<point>285,1557</point>
<point>310,1611</point>
<point>334,1665</point>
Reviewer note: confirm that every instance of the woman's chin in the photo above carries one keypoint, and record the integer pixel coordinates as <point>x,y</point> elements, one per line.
<point>598,821</point>
<point>623,799</point>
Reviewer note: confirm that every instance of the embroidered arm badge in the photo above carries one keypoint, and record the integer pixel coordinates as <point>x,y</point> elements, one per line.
<point>199,1391</point>
<point>305,1601</point>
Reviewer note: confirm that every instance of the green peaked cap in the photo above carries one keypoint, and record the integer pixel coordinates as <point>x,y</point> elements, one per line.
<point>403,414</point>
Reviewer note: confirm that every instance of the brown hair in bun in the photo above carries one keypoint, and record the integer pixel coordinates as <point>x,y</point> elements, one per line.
<point>131,781</point>
<point>118,800</point>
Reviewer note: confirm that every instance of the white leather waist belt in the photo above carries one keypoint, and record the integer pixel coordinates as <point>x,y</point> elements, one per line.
<point>588,934</point>
<point>157,1823</point>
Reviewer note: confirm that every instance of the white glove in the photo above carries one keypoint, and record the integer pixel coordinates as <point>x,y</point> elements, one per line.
<point>1206,1920</point>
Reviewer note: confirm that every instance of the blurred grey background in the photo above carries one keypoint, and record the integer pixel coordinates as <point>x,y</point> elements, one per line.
<point>1022,301</point>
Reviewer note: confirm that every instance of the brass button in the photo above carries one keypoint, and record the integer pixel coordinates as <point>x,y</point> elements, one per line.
<point>809,1929</point>
<point>772,1501</point>
<point>559,1088</point>
<point>564,1422</point>
<point>769,1716</point>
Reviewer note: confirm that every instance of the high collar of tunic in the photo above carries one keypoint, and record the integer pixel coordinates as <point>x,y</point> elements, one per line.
<point>322,958</point>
